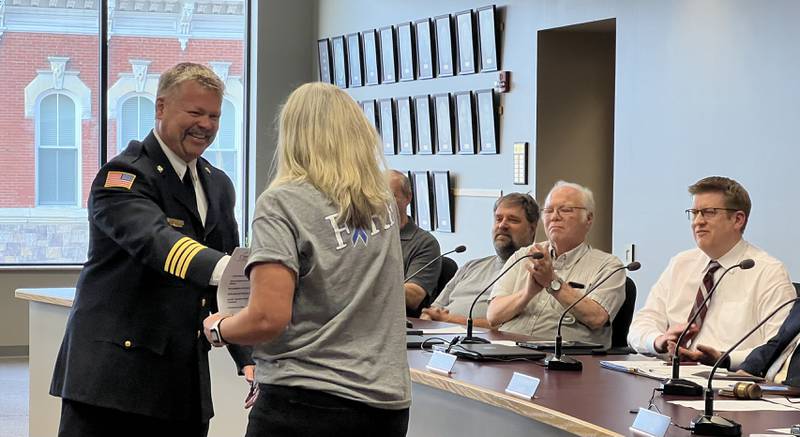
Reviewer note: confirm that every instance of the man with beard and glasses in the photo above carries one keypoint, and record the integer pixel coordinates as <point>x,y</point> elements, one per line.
<point>532,296</point>
<point>516,216</point>
<point>134,361</point>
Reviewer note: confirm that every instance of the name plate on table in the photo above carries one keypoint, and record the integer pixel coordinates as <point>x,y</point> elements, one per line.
<point>441,363</point>
<point>648,423</point>
<point>522,386</point>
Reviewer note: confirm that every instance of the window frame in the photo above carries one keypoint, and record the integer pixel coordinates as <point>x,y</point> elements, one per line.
<point>77,120</point>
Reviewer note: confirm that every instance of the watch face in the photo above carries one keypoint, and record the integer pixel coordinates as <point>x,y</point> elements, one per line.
<point>555,285</point>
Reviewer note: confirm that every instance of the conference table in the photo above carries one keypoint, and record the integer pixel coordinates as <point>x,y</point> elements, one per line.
<point>471,401</point>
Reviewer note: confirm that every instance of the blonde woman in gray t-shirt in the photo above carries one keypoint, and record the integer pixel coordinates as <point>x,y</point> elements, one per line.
<point>326,311</point>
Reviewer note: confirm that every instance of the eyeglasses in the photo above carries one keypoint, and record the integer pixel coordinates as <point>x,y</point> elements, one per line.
<point>562,210</point>
<point>706,213</point>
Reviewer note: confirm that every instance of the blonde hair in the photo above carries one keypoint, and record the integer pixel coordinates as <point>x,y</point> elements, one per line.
<point>184,71</point>
<point>325,139</point>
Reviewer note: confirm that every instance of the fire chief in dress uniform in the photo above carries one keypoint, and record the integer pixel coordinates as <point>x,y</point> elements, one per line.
<point>133,360</point>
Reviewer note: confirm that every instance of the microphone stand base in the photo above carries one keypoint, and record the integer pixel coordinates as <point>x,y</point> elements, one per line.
<point>681,387</point>
<point>564,362</point>
<point>715,426</point>
<point>471,340</point>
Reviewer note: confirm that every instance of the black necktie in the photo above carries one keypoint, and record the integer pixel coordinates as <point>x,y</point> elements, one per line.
<point>189,185</point>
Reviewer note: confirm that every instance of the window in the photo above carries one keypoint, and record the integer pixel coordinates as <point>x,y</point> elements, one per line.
<point>136,119</point>
<point>57,154</point>
<point>224,151</point>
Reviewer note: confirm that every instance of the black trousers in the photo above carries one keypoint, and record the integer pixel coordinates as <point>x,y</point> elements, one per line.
<point>83,420</point>
<point>287,411</point>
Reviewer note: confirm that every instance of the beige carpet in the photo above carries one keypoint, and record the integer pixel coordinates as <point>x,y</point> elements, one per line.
<point>14,397</point>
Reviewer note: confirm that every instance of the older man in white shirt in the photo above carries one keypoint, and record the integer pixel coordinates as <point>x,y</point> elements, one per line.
<point>721,208</point>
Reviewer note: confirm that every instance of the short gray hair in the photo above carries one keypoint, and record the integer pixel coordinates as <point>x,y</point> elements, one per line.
<point>524,201</point>
<point>588,197</point>
<point>184,71</point>
<point>406,184</point>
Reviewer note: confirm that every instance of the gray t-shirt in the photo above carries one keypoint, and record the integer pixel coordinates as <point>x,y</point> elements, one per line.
<point>420,248</point>
<point>346,336</point>
<point>458,295</point>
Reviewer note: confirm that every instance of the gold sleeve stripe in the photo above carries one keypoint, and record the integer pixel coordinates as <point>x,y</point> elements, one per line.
<point>178,248</point>
<point>177,261</point>
<point>188,259</point>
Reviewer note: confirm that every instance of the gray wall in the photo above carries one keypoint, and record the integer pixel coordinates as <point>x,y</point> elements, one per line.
<point>702,87</point>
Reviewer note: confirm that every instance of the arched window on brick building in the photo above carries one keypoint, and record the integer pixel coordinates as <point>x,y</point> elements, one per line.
<point>57,145</point>
<point>135,120</point>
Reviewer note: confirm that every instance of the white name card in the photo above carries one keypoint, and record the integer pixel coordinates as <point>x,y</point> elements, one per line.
<point>522,386</point>
<point>648,423</point>
<point>441,363</point>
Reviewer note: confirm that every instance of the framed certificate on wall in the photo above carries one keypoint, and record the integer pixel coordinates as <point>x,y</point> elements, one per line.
<point>371,113</point>
<point>444,46</point>
<point>324,58</point>
<point>406,48</point>
<point>487,39</point>
<point>372,71</point>
<point>465,123</point>
<point>466,43</point>
<point>444,124</point>
<point>425,65</point>
<point>487,121</point>
<point>422,200</point>
<point>339,62</point>
<point>422,113</point>
<point>405,126</point>
<point>388,65</point>
<point>354,59</point>
<point>386,122</point>
<point>443,201</point>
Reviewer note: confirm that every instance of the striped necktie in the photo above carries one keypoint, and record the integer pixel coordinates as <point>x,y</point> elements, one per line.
<point>702,292</point>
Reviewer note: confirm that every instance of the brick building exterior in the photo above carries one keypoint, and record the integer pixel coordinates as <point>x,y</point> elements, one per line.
<point>49,149</point>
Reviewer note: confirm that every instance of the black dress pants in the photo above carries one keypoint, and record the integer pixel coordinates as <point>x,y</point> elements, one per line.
<point>83,420</point>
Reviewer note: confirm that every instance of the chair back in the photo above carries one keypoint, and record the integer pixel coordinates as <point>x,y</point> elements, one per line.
<point>621,323</point>
<point>449,268</point>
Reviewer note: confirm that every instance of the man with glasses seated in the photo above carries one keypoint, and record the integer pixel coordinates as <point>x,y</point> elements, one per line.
<point>531,297</point>
<point>718,217</point>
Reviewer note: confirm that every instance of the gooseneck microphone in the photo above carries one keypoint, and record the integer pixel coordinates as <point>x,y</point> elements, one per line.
<point>708,423</point>
<point>559,361</point>
<point>469,338</point>
<point>458,249</point>
<point>683,387</point>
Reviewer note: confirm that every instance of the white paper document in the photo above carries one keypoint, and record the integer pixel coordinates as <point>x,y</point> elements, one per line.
<point>735,405</point>
<point>233,291</point>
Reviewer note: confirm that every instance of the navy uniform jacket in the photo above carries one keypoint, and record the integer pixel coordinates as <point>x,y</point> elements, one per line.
<point>761,358</point>
<point>134,339</point>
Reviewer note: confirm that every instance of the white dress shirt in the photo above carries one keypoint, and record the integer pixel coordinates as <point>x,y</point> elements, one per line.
<point>742,299</point>
<point>180,166</point>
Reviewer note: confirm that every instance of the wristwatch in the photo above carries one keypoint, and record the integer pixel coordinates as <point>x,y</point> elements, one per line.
<point>555,285</point>
<point>216,335</point>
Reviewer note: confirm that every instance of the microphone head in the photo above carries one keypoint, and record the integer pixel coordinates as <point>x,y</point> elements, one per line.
<point>747,264</point>
<point>634,266</point>
<point>461,248</point>
<point>537,255</point>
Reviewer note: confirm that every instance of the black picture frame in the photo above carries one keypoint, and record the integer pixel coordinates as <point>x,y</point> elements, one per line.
<point>371,112</point>
<point>487,121</point>
<point>425,59</point>
<point>386,120</point>
<point>465,122</point>
<point>443,201</point>
<point>405,126</point>
<point>487,38</point>
<point>465,42</point>
<point>354,57</point>
<point>388,58</point>
<point>406,51</point>
<point>339,61</point>
<point>325,61</point>
<point>422,200</point>
<point>444,46</point>
<point>424,125</point>
<point>372,68</point>
<point>443,116</point>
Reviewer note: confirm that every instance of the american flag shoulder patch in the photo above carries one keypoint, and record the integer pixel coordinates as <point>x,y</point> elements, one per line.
<point>119,179</point>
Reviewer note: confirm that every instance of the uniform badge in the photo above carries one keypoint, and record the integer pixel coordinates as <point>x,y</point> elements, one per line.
<point>175,223</point>
<point>160,168</point>
<point>119,179</point>
<point>208,170</point>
